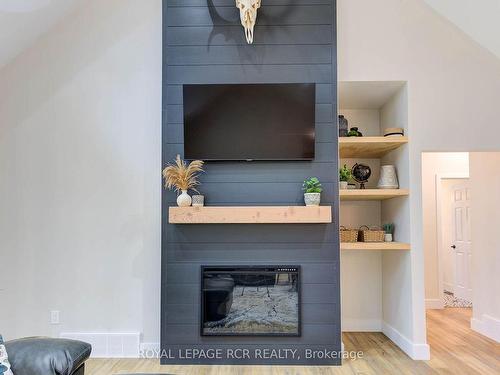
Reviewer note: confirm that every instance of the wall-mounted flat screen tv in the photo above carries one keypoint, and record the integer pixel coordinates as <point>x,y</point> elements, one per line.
<point>249,121</point>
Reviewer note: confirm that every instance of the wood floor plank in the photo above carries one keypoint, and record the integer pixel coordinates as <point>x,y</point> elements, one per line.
<point>455,350</point>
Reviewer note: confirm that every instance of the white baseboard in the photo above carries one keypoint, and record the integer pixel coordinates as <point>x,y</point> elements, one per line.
<point>487,326</point>
<point>361,325</point>
<point>414,351</point>
<point>434,304</point>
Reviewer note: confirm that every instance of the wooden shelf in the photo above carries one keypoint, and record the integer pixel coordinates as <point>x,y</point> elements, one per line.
<point>372,194</point>
<point>250,215</point>
<point>374,246</point>
<point>369,147</point>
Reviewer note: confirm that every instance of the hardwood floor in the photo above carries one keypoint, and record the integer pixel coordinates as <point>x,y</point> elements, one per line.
<point>455,349</point>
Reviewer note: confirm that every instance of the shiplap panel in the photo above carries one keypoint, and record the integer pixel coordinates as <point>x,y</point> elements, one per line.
<point>231,3</point>
<point>256,193</point>
<point>186,333</point>
<point>272,15</point>
<point>269,233</point>
<point>294,43</point>
<point>231,35</point>
<point>211,74</point>
<point>249,54</point>
<point>249,252</point>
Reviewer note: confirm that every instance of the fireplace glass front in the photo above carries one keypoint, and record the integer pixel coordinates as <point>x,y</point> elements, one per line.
<point>250,301</point>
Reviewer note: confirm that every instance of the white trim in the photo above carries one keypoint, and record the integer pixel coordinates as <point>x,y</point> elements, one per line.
<point>487,326</point>
<point>434,304</point>
<point>418,352</point>
<point>361,325</point>
<point>439,225</point>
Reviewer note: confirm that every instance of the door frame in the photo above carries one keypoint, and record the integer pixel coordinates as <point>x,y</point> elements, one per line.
<point>439,227</point>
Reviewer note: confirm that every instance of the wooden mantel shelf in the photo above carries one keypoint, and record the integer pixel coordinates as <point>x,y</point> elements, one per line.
<point>250,215</point>
<point>372,194</point>
<point>369,147</point>
<point>374,246</point>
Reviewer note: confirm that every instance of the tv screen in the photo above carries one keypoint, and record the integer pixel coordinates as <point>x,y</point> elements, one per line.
<point>249,121</point>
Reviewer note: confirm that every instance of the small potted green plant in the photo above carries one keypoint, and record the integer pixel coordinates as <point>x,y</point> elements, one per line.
<point>312,191</point>
<point>389,231</point>
<point>344,176</point>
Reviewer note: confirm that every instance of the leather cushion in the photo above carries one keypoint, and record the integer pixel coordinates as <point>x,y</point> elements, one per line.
<point>46,356</point>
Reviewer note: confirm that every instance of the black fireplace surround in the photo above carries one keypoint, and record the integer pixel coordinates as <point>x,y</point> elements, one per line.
<point>250,301</point>
<point>204,44</point>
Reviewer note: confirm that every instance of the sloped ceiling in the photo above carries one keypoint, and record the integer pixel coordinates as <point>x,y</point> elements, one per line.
<point>23,21</point>
<point>480,19</point>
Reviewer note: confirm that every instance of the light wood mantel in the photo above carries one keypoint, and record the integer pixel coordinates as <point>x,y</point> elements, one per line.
<point>250,215</point>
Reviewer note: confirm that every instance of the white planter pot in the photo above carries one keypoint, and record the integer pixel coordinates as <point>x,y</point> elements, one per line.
<point>184,200</point>
<point>343,185</point>
<point>312,199</point>
<point>388,237</point>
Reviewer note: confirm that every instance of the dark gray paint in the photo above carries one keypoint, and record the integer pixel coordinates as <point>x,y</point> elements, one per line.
<point>293,44</point>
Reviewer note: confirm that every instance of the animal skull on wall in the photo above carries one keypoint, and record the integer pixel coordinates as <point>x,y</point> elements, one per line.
<point>248,15</point>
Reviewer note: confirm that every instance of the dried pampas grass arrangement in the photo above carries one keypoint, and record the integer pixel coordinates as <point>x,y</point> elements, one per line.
<point>180,176</point>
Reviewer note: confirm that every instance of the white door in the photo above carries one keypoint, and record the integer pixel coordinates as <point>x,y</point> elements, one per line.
<point>461,240</point>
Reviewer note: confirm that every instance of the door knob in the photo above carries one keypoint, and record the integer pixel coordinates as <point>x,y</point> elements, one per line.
<point>453,247</point>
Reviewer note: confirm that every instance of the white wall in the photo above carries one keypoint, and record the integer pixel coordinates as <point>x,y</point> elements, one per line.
<point>485,208</point>
<point>453,87</point>
<point>434,164</point>
<point>478,18</point>
<point>80,160</point>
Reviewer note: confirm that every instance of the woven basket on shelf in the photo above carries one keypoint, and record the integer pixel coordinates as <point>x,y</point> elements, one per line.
<point>348,235</point>
<point>374,234</point>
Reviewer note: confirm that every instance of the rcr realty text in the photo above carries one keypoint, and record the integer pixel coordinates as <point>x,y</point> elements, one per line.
<point>243,353</point>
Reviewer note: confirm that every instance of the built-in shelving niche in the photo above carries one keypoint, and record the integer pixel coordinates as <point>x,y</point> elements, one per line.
<point>370,271</point>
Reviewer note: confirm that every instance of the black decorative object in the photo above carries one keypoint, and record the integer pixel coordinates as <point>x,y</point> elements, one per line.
<point>354,132</point>
<point>361,173</point>
<point>343,126</point>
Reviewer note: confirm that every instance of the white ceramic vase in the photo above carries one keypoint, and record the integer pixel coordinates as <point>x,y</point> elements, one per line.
<point>312,199</point>
<point>343,185</point>
<point>388,237</point>
<point>184,200</point>
<point>388,177</point>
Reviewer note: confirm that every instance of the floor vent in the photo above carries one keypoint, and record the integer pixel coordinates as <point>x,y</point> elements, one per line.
<point>109,345</point>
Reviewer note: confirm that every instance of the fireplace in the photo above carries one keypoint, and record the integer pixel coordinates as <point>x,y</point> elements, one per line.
<point>250,301</point>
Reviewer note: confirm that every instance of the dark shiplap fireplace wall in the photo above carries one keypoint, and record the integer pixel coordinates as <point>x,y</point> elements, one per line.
<point>294,42</point>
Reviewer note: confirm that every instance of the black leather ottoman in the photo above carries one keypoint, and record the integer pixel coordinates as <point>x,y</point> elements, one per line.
<point>46,356</point>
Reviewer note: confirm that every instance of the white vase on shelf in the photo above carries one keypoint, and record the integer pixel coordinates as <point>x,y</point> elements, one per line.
<point>184,200</point>
<point>388,177</point>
